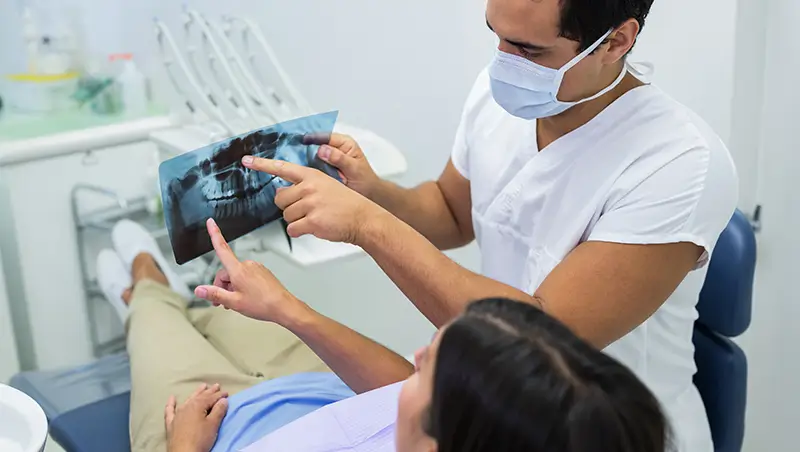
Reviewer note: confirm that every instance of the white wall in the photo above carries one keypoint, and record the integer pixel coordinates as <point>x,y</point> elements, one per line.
<point>772,344</point>
<point>692,45</point>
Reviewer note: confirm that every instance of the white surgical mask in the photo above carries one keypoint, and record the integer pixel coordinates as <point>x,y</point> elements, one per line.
<point>530,91</point>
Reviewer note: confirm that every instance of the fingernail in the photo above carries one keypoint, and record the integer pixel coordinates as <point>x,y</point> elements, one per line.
<point>201,292</point>
<point>325,151</point>
<point>247,159</point>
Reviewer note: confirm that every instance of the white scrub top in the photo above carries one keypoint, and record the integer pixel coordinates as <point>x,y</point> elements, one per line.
<point>644,171</point>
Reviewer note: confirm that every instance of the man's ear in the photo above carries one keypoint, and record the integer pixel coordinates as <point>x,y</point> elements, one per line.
<point>621,41</point>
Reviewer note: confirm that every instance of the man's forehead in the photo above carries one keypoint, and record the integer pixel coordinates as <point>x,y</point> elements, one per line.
<point>525,20</point>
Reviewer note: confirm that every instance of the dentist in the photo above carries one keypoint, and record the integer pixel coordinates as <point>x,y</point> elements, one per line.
<point>593,196</point>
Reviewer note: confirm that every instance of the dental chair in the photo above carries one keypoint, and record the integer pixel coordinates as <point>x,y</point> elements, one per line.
<point>88,406</point>
<point>725,308</point>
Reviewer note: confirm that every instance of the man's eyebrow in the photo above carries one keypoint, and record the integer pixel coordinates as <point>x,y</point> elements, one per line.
<point>522,45</point>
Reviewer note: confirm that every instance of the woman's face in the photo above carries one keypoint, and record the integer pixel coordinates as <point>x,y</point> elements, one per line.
<point>415,398</point>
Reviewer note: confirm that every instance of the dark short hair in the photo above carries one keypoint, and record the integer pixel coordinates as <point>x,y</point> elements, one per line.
<point>510,378</point>
<point>586,21</point>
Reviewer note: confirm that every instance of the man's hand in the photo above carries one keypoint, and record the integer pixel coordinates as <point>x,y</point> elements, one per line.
<point>346,155</point>
<point>248,287</point>
<point>317,204</point>
<point>193,426</point>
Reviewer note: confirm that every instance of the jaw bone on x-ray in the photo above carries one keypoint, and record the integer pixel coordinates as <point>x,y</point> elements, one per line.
<point>211,182</point>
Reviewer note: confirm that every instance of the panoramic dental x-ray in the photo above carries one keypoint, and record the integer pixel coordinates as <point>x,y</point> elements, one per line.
<point>211,182</point>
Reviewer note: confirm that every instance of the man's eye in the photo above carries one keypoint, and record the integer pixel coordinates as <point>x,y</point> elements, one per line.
<point>528,54</point>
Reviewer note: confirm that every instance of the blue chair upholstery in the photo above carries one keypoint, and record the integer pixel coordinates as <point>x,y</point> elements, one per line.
<point>98,427</point>
<point>87,407</point>
<point>725,308</point>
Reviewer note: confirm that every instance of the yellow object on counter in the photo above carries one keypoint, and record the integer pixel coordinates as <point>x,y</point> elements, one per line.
<point>39,93</point>
<point>42,78</point>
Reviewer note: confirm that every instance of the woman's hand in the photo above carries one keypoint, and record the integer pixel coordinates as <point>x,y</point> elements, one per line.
<point>346,155</point>
<point>317,204</point>
<point>248,287</point>
<point>194,425</point>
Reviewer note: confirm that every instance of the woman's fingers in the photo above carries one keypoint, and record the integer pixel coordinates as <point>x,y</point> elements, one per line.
<point>199,390</point>
<point>221,247</point>
<point>218,411</point>
<point>219,296</point>
<point>169,411</point>
<point>223,279</point>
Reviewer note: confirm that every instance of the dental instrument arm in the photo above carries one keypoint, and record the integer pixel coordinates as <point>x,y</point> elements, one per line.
<point>253,291</point>
<point>171,56</point>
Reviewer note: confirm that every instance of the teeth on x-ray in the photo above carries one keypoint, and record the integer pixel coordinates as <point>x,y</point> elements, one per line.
<point>212,183</point>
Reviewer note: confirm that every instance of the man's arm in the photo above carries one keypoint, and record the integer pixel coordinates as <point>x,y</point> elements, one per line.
<point>602,291</point>
<point>626,282</point>
<point>361,363</point>
<point>439,210</point>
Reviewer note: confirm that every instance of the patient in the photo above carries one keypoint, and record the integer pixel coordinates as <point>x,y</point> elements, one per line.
<point>502,377</point>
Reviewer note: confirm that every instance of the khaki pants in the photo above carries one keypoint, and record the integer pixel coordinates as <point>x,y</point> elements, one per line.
<point>174,349</point>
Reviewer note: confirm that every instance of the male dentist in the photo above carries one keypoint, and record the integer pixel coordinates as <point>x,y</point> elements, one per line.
<point>592,195</point>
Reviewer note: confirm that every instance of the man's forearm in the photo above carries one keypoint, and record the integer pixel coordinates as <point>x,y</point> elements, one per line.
<point>425,209</point>
<point>361,363</point>
<point>440,288</point>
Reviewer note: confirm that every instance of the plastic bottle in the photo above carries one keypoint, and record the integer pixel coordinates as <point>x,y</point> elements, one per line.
<point>30,33</point>
<point>134,86</point>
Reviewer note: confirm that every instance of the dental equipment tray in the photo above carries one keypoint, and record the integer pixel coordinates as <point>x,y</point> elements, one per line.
<point>93,223</point>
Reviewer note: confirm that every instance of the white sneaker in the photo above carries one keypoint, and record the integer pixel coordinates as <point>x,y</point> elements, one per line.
<point>130,240</point>
<point>114,279</point>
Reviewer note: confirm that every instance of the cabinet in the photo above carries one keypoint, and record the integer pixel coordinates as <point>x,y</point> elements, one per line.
<point>9,363</point>
<point>40,252</point>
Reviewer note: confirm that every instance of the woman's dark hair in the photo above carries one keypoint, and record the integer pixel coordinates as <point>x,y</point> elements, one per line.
<point>586,20</point>
<point>510,378</point>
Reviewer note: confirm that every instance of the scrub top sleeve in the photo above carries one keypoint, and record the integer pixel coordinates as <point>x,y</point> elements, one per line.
<point>478,96</point>
<point>690,199</point>
<point>460,154</point>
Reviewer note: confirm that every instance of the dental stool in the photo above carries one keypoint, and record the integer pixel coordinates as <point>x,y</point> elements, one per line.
<point>725,308</point>
<point>87,407</point>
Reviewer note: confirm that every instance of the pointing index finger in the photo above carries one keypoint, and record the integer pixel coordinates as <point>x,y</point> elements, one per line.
<point>285,170</point>
<point>224,252</point>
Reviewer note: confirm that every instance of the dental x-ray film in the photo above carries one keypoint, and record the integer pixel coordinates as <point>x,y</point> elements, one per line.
<point>211,182</point>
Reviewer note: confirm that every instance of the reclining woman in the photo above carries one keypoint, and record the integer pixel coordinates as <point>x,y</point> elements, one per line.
<point>503,376</point>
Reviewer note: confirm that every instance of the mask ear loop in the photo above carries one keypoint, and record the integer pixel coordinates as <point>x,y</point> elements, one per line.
<point>578,58</point>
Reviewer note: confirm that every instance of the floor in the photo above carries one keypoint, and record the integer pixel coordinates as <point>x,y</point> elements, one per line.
<point>52,446</point>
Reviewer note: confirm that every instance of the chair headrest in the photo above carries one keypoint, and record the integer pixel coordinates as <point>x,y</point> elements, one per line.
<point>726,301</point>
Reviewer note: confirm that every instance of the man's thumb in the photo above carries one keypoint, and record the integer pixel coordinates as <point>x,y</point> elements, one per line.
<point>337,158</point>
<point>218,411</point>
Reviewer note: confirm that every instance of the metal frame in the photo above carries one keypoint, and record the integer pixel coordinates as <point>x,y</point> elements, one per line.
<point>102,221</point>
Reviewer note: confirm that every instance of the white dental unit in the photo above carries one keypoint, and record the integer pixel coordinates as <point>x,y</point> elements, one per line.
<point>229,95</point>
<point>60,193</point>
